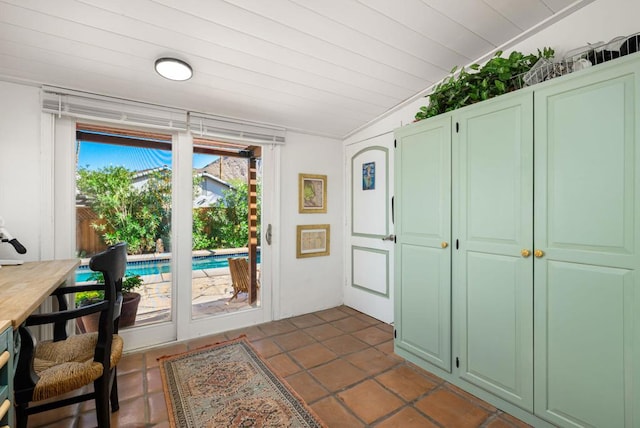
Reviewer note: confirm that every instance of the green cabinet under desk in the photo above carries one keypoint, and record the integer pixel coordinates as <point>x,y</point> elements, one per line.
<point>6,374</point>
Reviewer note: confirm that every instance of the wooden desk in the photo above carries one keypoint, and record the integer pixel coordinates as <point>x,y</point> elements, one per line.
<point>24,287</point>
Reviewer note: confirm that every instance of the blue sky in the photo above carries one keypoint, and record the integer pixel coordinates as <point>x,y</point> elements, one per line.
<point>99,155</point>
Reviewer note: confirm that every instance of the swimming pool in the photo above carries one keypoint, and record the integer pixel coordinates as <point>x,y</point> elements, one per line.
<point>157,266</point>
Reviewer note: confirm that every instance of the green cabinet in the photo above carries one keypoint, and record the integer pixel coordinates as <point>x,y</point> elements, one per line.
<point>423,233</point>
<point>493,224</point>
<point>6,375</point>
<point>518,258</point>
<point>587,224</point>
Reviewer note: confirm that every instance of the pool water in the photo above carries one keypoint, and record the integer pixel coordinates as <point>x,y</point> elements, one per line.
<point>157,266</point>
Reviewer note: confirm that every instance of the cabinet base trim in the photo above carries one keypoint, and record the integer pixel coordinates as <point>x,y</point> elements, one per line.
<point>453,379</point>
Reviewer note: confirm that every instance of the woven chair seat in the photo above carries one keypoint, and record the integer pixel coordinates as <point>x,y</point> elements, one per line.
<point>67,365</point>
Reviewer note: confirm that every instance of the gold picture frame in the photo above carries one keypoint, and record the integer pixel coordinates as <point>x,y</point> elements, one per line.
<point>313,240</point>
<point>312,193</point>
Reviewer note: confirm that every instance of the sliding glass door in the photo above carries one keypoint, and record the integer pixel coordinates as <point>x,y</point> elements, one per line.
<point>191,211</point>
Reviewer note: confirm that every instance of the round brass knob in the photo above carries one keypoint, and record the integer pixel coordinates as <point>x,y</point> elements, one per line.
<point>538,253</point>
<point>444,245</point>
<point>525,253</point>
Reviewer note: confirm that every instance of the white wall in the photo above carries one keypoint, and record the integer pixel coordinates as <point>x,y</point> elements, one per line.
<point>312,283</point>
<point>20,168</point>
<point>601,20</point>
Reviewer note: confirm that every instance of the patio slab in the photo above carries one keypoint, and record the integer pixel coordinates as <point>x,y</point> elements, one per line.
<point>211,291</point>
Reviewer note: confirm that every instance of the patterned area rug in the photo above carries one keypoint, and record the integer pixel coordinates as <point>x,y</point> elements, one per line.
<point>229,385</point>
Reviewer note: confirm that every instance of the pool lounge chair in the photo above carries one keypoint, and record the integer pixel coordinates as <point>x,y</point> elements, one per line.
<point>240,278</point>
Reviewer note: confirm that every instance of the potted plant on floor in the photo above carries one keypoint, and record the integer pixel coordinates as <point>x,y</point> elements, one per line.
<point>130,302</point>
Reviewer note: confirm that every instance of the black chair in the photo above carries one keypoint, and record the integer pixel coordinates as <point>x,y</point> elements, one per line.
<point>51,370</point>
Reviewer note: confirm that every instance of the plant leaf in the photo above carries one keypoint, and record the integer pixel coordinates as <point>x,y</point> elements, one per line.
<point>494,78</point>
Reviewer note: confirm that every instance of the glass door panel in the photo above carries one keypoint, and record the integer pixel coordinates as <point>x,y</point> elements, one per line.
<point>123,193</point>
<point>226,216</point>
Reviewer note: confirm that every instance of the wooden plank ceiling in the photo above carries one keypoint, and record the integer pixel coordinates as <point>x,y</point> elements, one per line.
<point>321,66</point>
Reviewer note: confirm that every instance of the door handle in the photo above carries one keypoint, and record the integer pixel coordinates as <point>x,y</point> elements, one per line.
<point>393,211</point>
<point>391,237</point>
<point>538,253</point>
<point>267,235</point>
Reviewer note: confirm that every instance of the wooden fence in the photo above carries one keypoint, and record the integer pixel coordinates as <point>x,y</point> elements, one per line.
<point>88,241</point>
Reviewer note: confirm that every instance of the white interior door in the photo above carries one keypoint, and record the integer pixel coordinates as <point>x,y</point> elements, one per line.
<point>369,252</point>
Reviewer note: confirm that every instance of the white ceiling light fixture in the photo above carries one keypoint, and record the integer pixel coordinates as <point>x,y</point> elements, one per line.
<point>173,69</point>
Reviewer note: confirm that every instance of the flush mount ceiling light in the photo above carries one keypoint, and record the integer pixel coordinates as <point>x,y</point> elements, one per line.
<point>173,69</point>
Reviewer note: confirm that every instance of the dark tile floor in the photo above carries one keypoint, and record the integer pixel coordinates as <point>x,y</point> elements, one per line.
<point>340,361</point>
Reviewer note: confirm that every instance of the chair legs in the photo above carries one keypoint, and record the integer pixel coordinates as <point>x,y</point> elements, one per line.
<point>21,416</point>
<point>101,387</point>
<point>106,392</point>
<point>115,403</point>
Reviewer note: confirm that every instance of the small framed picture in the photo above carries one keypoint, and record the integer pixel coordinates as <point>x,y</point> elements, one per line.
<point>369,176</point>
<point>312,197</point>
<point>313,240</point>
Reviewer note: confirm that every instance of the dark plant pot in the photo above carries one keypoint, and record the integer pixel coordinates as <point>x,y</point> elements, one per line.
<point>130,302</point>
<point>88,323</point>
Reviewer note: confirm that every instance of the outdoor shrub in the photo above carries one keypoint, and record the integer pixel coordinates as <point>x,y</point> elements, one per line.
<point>141,216</point>
<point>87,297</point>
<point>137,216</point>
<point>130,283</point>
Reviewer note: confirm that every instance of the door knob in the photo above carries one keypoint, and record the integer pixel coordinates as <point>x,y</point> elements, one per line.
<point>391,237</point>
<point>538,253</point>
<point>268,235</point>
<point>525,253</point>
<point>444,244</point>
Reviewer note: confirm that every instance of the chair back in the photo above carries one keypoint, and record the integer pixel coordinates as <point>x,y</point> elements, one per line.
<point>239,270</point>
<point>112,263</point>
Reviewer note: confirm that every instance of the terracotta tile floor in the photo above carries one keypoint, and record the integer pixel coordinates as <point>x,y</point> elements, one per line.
<point>339,360</point>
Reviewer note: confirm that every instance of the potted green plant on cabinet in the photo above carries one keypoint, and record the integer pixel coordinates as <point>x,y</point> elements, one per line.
<point>496,77</point>
<point>130,302</point>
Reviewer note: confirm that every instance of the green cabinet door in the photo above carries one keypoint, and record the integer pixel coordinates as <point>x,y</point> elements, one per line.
<point>587,226</point>
<point>423,234</point>
<point>493,222</point>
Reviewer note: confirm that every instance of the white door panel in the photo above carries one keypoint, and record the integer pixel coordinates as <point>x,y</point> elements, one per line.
<point>370,269</point>
<point>369,258</point>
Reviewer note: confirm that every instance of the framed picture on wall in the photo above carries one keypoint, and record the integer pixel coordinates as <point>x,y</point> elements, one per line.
<point>312,197</point>
<point>313,240</point>
<point>369,176</point>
